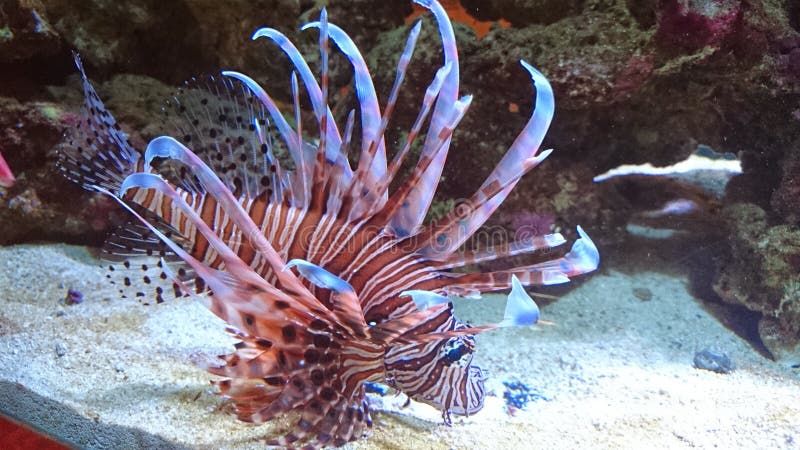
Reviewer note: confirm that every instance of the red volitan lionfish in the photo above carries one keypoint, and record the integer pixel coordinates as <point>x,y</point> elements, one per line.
<point>327,280</point>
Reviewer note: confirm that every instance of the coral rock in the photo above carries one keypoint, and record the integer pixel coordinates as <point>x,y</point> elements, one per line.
<point>689,25</point>
<point>762,273</point>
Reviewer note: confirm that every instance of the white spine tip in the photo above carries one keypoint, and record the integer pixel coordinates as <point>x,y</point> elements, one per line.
<point>584,254</point>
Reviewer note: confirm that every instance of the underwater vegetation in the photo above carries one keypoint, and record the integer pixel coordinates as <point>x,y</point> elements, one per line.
<point>329,279</point>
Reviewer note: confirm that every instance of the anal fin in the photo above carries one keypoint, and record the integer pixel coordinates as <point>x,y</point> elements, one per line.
<point>136,259</point>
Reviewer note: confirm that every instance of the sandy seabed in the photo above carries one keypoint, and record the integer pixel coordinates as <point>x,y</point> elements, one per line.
<point>613,371</point>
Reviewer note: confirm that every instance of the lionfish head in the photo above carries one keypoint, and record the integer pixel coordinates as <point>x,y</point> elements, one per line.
<point>328,278</point>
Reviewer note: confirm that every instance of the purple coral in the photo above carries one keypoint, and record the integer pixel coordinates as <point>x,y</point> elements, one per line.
<point>689,25</point>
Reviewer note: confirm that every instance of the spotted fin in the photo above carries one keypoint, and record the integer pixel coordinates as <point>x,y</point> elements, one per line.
<point>140,265</point>
<point>97,152</point>
<point>229,129</point>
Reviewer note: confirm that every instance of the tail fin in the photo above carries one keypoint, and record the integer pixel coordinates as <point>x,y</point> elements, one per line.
<point>98,152</point>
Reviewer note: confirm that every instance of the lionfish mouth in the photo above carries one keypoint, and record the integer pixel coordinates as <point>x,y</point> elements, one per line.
<point>327,278</point>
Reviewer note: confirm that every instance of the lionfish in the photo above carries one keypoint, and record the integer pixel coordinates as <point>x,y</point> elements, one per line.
<point>327,280</point>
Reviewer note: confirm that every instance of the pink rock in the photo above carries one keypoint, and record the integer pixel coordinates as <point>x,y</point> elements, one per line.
<point>6,177</point>
<point>635,73</point>
<point>690,25</point>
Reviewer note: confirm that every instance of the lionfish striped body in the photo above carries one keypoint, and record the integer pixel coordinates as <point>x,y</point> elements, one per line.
<point>327,279</point>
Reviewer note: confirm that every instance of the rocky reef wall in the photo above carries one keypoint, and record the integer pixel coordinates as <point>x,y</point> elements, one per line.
<point>635,81</point>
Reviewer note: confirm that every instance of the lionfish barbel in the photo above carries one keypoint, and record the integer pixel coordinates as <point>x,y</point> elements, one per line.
<point>326,278</point>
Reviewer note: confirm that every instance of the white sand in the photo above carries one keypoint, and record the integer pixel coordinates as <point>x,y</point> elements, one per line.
<point>616,371</point>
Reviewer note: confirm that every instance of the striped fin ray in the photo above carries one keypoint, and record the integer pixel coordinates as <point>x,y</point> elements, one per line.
<point>346,304</point>
<point>527,245</point>
<point>399,200</point>
<point>582,258</point>
<point>314,93</point>
<point>529,140</point>
<point>505,176</point>
<point>303,176</point>
<point>321,176</point>
<point>444,236</point>
<point>337,195</point>
<point>367,183</point>
<point>397,161</point>
<point>413,211</point>
<point>365,91</point>
<point>521,310</point>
